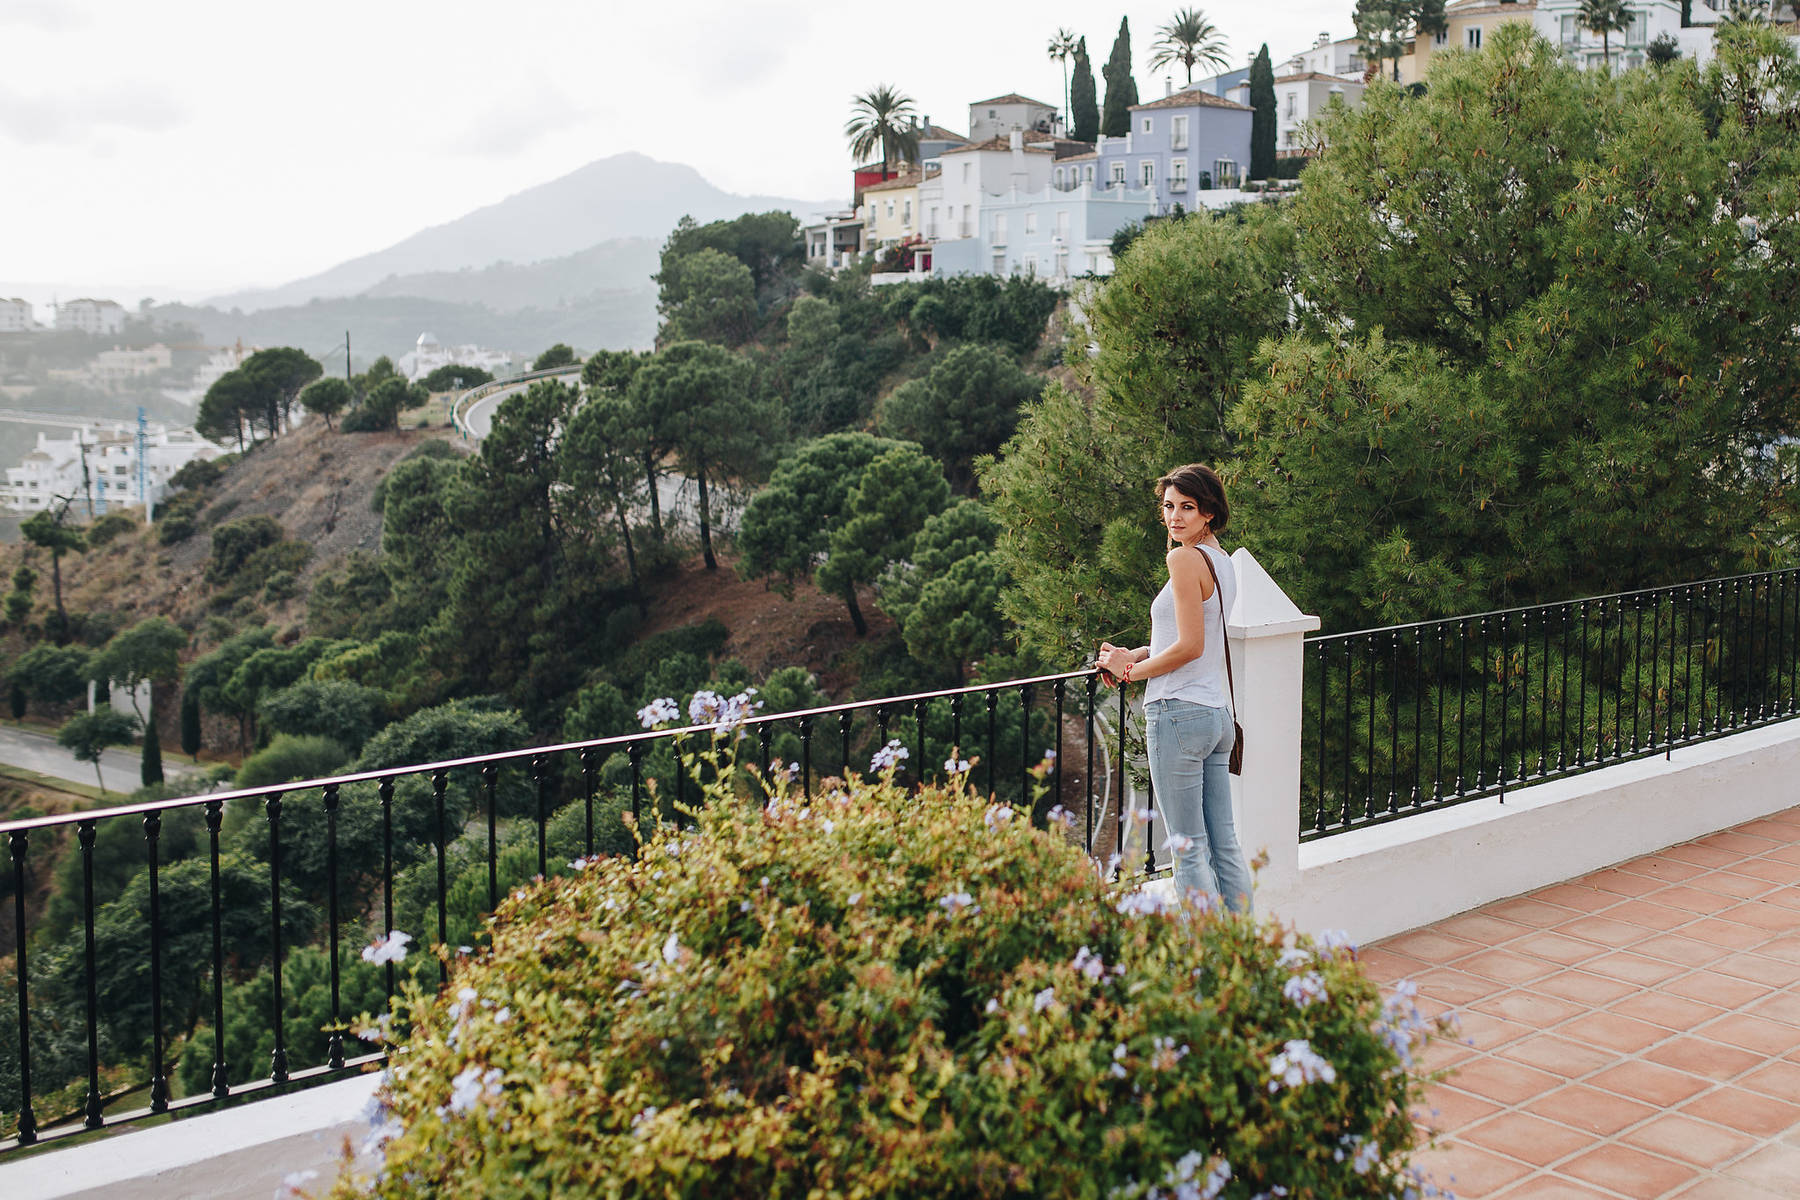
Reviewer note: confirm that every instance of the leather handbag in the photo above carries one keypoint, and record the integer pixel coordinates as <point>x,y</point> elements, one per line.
<point>1237,731</point>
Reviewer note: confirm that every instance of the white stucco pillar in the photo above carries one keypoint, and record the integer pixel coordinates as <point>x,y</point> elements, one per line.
<point>1267,630</point>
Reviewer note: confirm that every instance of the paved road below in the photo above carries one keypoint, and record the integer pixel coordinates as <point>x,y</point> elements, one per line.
<point>119,768</point>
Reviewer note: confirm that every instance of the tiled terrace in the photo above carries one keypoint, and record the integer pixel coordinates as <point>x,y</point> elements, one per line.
<point>1634,1033</point>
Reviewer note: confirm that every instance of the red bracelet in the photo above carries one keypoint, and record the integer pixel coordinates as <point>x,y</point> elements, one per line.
<point>1127,676</point>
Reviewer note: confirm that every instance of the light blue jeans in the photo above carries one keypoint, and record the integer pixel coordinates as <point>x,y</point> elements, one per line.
<point>1190,752</point>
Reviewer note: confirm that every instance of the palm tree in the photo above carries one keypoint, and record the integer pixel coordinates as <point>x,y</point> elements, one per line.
<point>1604,17</point>
<point>1188,39</point>
<point>878,120</point>
<point>1061,51</point>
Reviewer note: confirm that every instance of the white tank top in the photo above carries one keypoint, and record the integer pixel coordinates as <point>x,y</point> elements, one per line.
<point>1201,681</point>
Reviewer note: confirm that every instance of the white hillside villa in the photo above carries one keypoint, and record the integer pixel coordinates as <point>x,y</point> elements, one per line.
<point>99,464</point>
<point>428,354</point>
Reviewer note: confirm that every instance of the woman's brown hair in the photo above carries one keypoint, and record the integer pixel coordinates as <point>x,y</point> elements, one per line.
<point>1201,484</point>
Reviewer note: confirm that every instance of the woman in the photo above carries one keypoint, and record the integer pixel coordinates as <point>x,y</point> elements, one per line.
<point>1187,701</point>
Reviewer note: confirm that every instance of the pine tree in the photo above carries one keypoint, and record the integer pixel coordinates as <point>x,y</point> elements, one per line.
<point>1084,108</point>
<point>190,724</point>
<point>1262,120</point>
<point>1121,88</point>
<point>152,768</point>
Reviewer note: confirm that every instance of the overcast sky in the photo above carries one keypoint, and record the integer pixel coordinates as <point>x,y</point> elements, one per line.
<point>197,145</point>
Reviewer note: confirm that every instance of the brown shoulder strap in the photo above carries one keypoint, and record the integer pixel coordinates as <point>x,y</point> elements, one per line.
<point>1219,594</point>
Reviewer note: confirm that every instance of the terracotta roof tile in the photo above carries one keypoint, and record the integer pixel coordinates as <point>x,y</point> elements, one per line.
<point>905,179</point>
<point>1015,98</point>
<point>1309,76</point>
<point>1192,99</point>
<point>996,143</point>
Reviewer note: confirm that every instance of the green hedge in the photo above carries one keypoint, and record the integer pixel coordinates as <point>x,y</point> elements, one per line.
<point>885,993</point>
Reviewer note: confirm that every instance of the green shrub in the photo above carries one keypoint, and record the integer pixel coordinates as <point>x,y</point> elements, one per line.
<point>108,527</point>
<point>179,518</point>
<point>235,541</point>
<point>291,757</point>
<point>889,993</point>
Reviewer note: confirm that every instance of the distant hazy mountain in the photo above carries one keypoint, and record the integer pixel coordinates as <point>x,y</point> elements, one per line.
<point>626,196</point>
<point>625,264</point>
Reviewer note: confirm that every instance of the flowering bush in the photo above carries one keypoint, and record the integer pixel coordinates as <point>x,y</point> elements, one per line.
<point>880,992</point>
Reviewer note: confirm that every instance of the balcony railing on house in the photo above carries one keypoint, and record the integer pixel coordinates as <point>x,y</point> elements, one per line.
<point>234,889</point>
<point>1417,717</point>
<point>101,1023</point>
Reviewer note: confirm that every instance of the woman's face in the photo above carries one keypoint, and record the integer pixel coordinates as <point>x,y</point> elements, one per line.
<point>1181,514</point>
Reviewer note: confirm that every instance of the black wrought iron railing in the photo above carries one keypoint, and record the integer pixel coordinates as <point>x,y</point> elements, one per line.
<point>177,954</point>
<point>1417,717</point>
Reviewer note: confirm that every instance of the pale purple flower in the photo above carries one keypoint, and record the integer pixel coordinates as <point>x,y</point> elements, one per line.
<point>1333,940</point>
<point>643,1118</point>
<point>955,902</point>
<point>1178,843</point>
<point>292,1183</point>
<point>671,948</point>
<point>391,949</point>
<point>889,757</point>
<point>661,711</point>
<point>956,766</point>
<point>1299,1064</point>
<point>1143,903</point>
<point>1293,958</point>
<point>1305,990</point>
<point>472,1084</point>
<point>998,815</point>
<point>1060,816</point>
<point>1089,964</point>
<point>1043,1000</point>
<point>705,707</point>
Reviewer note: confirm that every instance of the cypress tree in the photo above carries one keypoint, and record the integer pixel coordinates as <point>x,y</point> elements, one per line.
<point>1121,88</point>
<point>190,724</point>
<point>151,771</point>
<point>1084,108</point>
<point>1262,120</point>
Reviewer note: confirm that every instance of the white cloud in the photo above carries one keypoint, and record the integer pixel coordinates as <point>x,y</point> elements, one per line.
<point>86,117</point>
<point>49,16</point>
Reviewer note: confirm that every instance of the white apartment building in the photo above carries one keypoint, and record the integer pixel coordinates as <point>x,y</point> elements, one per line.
<point>1302,97</point>
<point>108,452</point>
<point>1325,56</point>
<point>219,362</point>
<point>428,354</point>
<point>1560,21</point>
<point>15,316</point>
<point>950,202</point>
<point>112,369</point>
<point>97,317</point>
<point>1001,115</point>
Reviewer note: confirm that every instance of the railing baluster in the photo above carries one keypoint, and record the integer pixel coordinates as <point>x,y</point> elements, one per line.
<point>806,724</point>
<point>1058,691</point>
<point>221,1069</point>
<point>919,739</point>
<point>587,791</point>
<point>440,781</point>
<point>540,775</point>
<point>17,843</point>
<point>334,1044</point>
<point>956,746</point>
<point>1655,644</point>
<point>1437,773</point>
<point>1025,745</point>
<point>95,1106</point>
<point>1562,700</point>
<point>1418,743</point>
<point>490,787</point>
<point>636,755</point>
<point>993,747</point>
<point>386,791</point>
<point>1119,808</point>
<point>1486,687</point>
<point>1369,745</point>
<point>1393,801</point>
<point>844,741</point>
<point>159,1083</point>
<point>1637,667</point>
<point>1092,686</point>
<point>278,1057</point>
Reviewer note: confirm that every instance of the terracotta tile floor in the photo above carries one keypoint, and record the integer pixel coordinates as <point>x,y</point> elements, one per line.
<point>1633,1033</point>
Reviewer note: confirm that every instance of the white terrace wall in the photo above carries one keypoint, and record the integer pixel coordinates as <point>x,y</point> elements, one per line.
<point>1385,879</point>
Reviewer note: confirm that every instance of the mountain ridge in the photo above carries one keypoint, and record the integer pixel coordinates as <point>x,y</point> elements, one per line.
<point>618,198</point>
